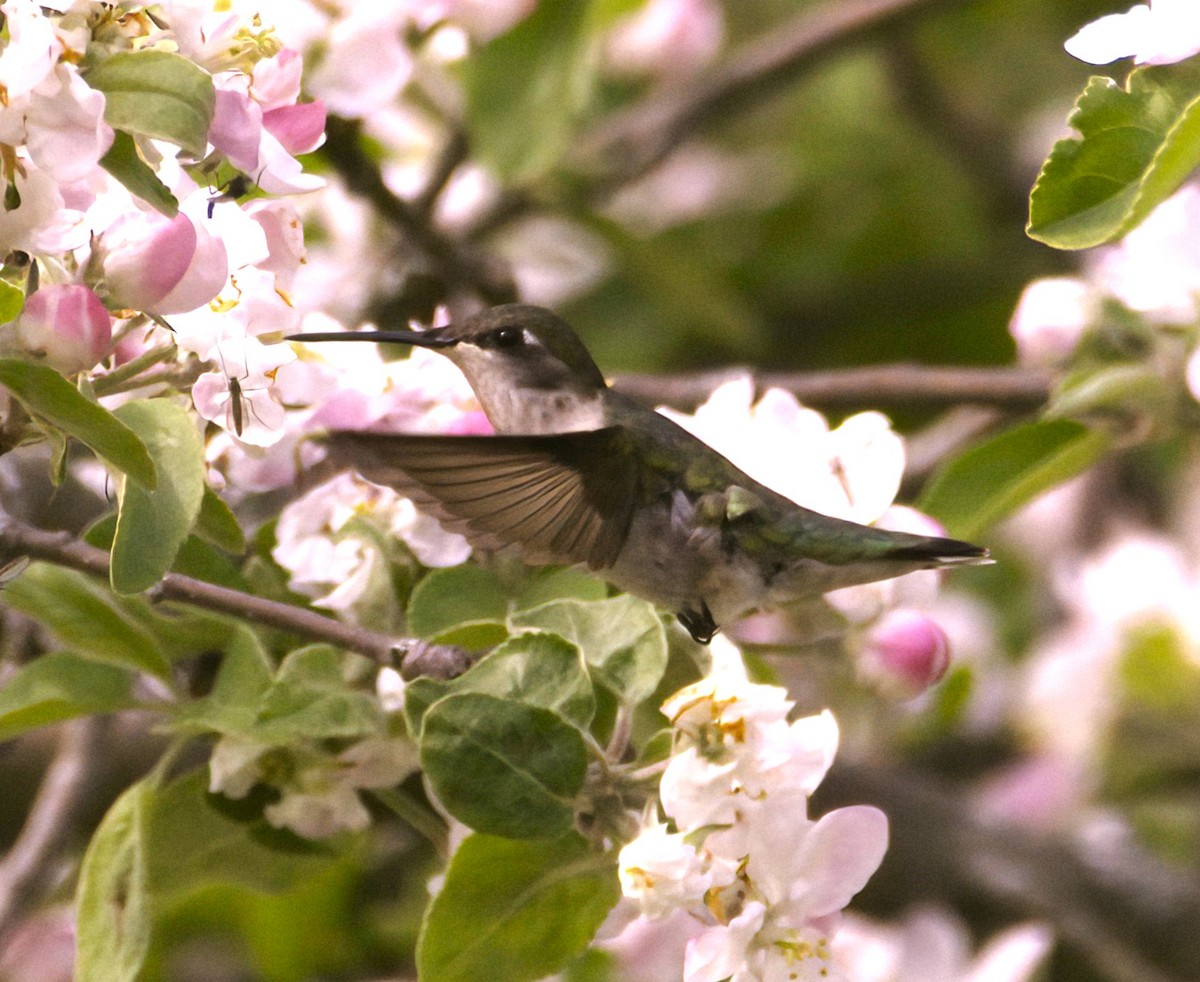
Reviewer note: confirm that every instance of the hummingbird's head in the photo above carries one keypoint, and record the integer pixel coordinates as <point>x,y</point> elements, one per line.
<point>520,346</point>
<point>529,370</point>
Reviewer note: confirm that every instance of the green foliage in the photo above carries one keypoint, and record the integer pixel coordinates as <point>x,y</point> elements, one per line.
<point>59,686</point>
<point>622,639</point>
<point>1137,145</point>
<point>459,605</point>
<point>501,766</point>
<point>526,88</point>
<point>307,698</point>
<point>152,525</point>
<point>112,902</point>
<point>538,669</point>
<point>124,163</point>
<point>156,94</point>
<point>12,301</point>
<point>158,842</point>
<point>217,525</point>
<point>513,911</point>
<point>86,618</point>
<point>993,479</point>
<point>45,393</point>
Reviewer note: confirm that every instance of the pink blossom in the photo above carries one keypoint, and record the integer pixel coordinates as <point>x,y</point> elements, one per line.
<point>162,265</point>
<point>905,652</point>
<point>299,128</point>
<point>275,82</point>
<point>366,62</point>
<point>671,37</point>
<point>1051,317</point>
<point>284,234</point>
<point>236,127</point>
<point>66,326</point>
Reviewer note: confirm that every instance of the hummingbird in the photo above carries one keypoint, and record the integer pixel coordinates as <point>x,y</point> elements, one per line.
<point>578,474</point>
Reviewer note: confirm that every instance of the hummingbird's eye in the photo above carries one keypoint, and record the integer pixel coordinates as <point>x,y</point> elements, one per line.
<point>509,337</point>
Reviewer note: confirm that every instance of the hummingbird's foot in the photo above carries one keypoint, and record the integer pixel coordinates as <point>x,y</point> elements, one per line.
<point>700,625</point>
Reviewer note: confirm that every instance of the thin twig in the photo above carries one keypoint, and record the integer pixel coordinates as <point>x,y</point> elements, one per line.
<point>51,820</point>
<point>462,267</point>
<point>451,155</point>
<point>875,385</point>
<point>19,539</point>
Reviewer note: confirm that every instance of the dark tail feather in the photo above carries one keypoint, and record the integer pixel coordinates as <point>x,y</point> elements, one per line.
<point>938,551</point>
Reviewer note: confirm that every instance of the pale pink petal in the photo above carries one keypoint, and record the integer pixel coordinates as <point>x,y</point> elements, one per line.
<point>299,128</point>
<point>838,856</point>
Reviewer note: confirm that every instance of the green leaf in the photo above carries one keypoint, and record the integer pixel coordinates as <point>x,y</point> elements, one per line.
<point>157,94</point>
<point>551,583</point>
<point>1121,388</point>
<point>538,669</point>
<point>151,526</point>
<point>233,704</point>
<point>1138,145</point>
<point>57,687</point>
<point>195,839</point>
<point>85,617</point>
<point>993,479</point>
<point>12,301</point>
<point>125,164</point>
<point>419,695</point>
<point>112,908</point>
<point>457,595</point>
<point>310,698</point>
<point>218,526</point>
<point>46,393</point>
<point>526,88</point>
<point>621,638</point>
<point>515,911</point>
<point>503,767</point>
<point>158,843</point>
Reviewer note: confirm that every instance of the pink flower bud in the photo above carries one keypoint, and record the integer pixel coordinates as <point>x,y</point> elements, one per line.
<point>65,326</point>
<point>904,653</point>
<point>162,265</point>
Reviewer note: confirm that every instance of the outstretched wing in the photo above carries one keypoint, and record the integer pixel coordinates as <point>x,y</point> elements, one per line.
<point>562,498</point>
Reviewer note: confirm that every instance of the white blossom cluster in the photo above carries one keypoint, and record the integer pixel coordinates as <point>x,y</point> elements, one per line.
<point>761,882</point>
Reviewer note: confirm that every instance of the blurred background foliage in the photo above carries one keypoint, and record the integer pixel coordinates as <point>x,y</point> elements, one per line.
<point>883,205</point>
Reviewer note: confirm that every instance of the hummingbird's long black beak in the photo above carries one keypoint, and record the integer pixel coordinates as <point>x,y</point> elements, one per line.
<point>435,337</point>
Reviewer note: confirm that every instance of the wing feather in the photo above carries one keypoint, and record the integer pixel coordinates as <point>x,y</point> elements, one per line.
<point>561,498</point>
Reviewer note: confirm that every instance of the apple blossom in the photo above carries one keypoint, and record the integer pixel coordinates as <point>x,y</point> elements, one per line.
<point>740,853</point>
<point>64,325</point>
<point>161,265</point>
<point>904,652</point>
<point>1158,33</point>
<point>669,37</point>
<point>1051,317</point>
<point>318,790</point>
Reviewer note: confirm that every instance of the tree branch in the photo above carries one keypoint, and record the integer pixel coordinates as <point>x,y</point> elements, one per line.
<point>460,266</point>
<point>50,822</point>
<point>1017,389</point>
<point>19,539</point>
<point>630,142</point>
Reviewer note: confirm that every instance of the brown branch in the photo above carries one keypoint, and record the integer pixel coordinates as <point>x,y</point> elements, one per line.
<point>1017,389</point>
<point>19,539</point>
<point>460,266</point>
<point>51,820</point>
<point>630,142</point>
